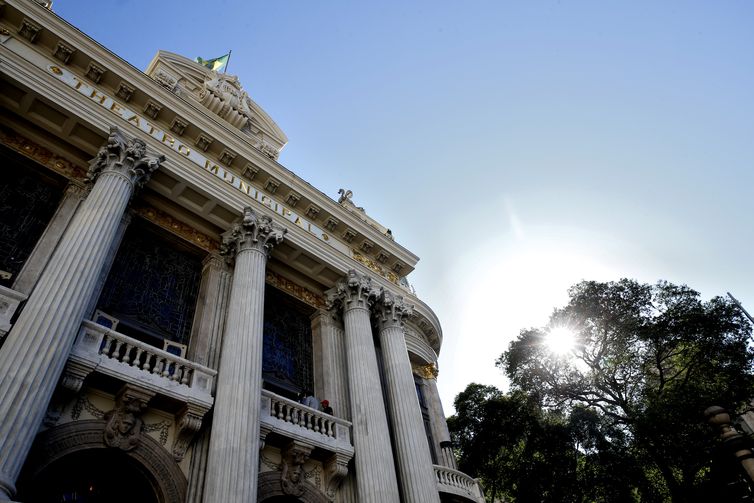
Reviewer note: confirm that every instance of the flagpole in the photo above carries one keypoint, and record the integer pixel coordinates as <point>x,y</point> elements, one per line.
<point>228,61</point>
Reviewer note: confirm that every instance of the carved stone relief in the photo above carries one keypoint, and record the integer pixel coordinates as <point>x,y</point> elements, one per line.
<point>123,424</point>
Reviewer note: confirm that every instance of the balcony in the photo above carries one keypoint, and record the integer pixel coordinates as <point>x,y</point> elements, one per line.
<point>134,362</point>
<point>457,486</point>
<point>295,421</point>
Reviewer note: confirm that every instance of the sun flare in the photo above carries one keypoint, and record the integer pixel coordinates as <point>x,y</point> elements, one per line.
<point>560,340</point>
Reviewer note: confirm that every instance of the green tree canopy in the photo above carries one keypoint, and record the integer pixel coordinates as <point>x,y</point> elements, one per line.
<point>649,358</point>
<point>623,406</point>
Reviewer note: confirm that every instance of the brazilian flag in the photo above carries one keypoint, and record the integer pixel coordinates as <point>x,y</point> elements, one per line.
<point>215,63</point>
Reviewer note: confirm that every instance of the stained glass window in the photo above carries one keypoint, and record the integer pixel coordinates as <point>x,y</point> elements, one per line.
<point>152,287</point>
<point>287,366</point>
<point>27,203</point>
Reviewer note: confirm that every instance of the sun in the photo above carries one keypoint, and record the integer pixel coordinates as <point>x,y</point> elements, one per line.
<point>560,340</point>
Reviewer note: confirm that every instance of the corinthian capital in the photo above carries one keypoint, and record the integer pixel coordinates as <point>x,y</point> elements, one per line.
<point>254,232</point>
<point>127,156</point>
<point>355,290</point>
<point>391,310</point>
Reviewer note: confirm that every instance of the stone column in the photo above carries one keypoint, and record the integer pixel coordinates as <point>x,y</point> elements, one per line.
<point>373,460</point>
<point>209,319</point>
<point>440,432</point>
<point>330,380</point>
<point>206,333</point>
<point>37,347</point>
<point>35,264</point>
<point>234,443</point>
<point>414,461</point>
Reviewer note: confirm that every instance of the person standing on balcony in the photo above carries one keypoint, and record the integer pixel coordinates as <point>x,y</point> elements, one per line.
<point>326,407</point>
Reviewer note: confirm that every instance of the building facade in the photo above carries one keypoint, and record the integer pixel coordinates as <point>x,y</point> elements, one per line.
<point>168,292</point>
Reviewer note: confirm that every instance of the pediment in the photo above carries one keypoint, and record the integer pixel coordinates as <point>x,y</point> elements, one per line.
<point>221,94</point>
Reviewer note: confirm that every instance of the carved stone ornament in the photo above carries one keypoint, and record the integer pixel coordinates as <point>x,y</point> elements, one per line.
<point>222,94</point>
<point>187,424</point>
<point>123,423</point>
<point>390,309</point>
<point>336,469</point>
<point>257,232</point>
<point>29,30</point>
<point>353,290</point>
<point>295,455</point>
<point>125,156</point>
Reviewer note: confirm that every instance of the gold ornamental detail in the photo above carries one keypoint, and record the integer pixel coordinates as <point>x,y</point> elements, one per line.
<point>180,229</point>
<point>41,155</point>
<point>428,371</point>
<point>303,294</point>
<point>374,267</point>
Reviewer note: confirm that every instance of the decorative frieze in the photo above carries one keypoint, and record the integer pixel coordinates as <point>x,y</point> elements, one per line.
<point>303,294</point>
<point>63,52</point>
<point>181,229</point>
<point>383,257</point>
<point>374,267</point>
<point>41,155</point>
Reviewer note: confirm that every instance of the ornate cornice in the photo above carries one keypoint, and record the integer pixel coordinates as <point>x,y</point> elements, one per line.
<point>374,267</point>
<point>303,294</point>
<point>41,155</point>
<point>355,290</point>
<point>126,156</point>
<point>252,233</point>
<point>390,310</point>
<point>180,229</point>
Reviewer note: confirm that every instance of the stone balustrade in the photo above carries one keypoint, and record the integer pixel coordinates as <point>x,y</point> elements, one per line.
<point>9,301</point>
<point>115,354</point>
<point>458,483</point>
<point>299,422</point>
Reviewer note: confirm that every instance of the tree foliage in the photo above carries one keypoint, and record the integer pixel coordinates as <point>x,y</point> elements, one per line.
<point>624,406</point>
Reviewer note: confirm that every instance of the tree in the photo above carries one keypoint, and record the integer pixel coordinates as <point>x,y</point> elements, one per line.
<point>648,360</point>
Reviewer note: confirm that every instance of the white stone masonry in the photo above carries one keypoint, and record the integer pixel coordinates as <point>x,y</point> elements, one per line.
<point>38,345</point>
<point>414,461</point>
<point>233,463</point>
<point>375,472</point>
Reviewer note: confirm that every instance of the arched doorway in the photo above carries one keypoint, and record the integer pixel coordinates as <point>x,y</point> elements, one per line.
<point>92,476</point>
<point>78,449</point>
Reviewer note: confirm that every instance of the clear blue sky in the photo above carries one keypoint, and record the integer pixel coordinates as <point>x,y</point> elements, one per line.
<point>516,147</point>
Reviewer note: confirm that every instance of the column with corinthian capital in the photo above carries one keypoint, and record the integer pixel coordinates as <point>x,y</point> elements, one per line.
<point>373,459</point>
<point>233,462</point>
<point>37,347</point>
<point>417,476</point>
